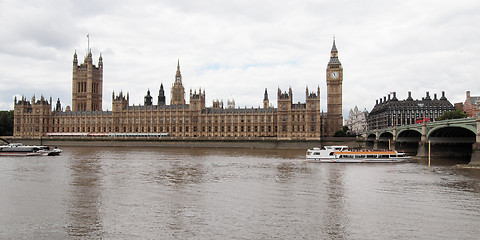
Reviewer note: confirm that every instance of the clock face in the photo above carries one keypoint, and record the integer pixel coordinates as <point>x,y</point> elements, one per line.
<point>334,75</point>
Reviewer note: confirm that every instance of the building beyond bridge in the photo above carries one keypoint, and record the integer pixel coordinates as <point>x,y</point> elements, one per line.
<point>471,106</point>
<point>357,121</point>
<point>389,112</point>
<point>37,118</point>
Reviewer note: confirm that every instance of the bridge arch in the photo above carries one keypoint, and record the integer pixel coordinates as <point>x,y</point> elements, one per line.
<point>409,135</point>
<point>371,137</point>
<point>385,136</point>
<point>452,134</point>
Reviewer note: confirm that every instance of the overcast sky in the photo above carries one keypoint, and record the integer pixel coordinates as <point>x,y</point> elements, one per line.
<point>236,49</point>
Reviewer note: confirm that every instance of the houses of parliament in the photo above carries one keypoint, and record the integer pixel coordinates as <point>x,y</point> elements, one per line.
<point>180,119</point>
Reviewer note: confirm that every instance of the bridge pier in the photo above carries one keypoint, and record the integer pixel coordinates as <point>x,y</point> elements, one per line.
<point>475,159</point>
<point>394,139</point>
<point>375,145</point>
<point>392,144</point>
<point>422,150</point>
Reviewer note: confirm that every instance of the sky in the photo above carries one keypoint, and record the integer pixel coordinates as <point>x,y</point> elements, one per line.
<point>234,49</point>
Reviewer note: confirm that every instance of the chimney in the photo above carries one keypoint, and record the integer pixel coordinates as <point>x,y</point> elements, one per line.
<point>434,96</point>
<point>409,96</point>
<point>394,96</point>
<point>388,97</point>
<point>428,96</point>
<point>376,102</point>
<point>384,98</point>
<point>468,94</point>
<point>443,96</point>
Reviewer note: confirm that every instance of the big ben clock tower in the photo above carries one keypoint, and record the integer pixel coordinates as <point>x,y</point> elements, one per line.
<point>334,93</point>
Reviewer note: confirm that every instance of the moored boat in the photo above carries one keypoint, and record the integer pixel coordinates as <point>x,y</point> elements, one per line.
<point>18,149</point>
<point>341,154</point>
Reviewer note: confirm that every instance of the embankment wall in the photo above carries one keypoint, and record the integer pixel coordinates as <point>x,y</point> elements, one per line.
<point>195,143</point>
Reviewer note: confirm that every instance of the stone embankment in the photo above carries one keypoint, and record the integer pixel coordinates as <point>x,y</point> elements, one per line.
<point>188,142</point>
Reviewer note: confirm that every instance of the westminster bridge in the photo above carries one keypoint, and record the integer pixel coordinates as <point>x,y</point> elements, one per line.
<point>454,136</point>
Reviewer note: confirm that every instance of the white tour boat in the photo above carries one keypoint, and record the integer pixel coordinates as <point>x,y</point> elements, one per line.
<point>18,149</point>
<point>342,154</point>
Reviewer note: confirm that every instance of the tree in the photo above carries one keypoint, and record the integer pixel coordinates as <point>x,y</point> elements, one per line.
<point>6,123</point>
<point>340,133</point>
<point>344,132</point>
<point>452,115</point>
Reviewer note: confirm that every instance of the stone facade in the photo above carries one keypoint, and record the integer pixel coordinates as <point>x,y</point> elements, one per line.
<point>334,92</point>
<point>471,106</point>
<point>87,83</point>
<point>180,120</point>
<point>357,121</point>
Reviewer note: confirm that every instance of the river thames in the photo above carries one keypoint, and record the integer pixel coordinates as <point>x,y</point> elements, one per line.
<point>183,193</point>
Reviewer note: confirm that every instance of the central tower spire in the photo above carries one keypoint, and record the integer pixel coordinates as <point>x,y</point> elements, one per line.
<point>178,75</point>
<point>178,92</point>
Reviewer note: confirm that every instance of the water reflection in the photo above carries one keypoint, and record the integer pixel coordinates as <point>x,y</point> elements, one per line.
<point>152,193</point>
<point>287,170</point>
<point>85,200</point>
<point>181,173</point>
<point>335,219</point>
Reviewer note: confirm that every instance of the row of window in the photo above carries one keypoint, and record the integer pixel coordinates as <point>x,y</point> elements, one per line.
<point>161,120</point>
<point>161,129</point>
<point>82,87</point>
<point>298,128</point>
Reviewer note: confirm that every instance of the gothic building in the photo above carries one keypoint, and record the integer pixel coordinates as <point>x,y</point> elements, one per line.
<point>181,119</point>
<point>357,121</point>
<point>87,82</point>
<point>334,92</point>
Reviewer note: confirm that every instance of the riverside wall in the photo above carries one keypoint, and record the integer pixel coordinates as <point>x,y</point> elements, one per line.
<point>188,143</point>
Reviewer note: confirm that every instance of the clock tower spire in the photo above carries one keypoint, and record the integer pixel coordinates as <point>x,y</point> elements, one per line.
<point>334,92</point>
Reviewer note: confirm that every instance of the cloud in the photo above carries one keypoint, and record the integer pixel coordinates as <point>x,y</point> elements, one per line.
<point>236,49</point>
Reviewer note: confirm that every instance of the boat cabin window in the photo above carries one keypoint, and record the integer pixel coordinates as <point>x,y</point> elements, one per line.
<point>331,154</point>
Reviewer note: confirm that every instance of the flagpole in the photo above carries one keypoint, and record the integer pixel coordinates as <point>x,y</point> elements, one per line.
<point>88,42</point>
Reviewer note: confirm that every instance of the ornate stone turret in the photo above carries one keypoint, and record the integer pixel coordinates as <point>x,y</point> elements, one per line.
<point>58,107</point>
<point>284,100</point>
<point>119,102</point>
<point>266,102</point>
<point>231,104</point>
<point>217,104</point>
<point>313,99</point>
<point>148,99</point>
<point>197,100</point>
<point>161,96</point>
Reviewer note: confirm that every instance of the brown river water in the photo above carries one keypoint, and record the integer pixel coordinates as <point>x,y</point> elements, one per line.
<point>183,193</point>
